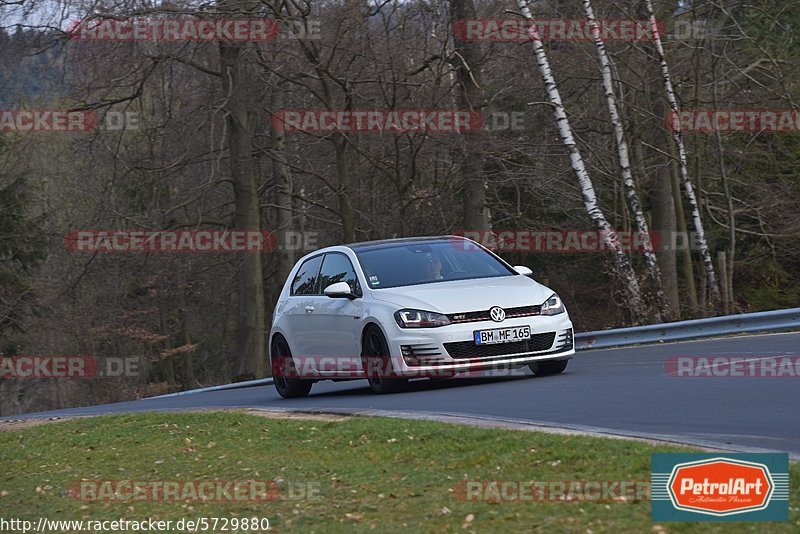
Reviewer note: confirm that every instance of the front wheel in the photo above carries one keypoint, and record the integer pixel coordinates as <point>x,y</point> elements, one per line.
<point>284,373</point>
<point>548,368</point>
<point>377,363</point>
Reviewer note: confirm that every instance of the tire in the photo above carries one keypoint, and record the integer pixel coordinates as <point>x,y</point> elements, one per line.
<point>288,387</point>
<point>552,367</point>
<point>375,349</point>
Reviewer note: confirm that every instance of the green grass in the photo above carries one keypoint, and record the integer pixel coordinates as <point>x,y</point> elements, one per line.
<point>386,474</point>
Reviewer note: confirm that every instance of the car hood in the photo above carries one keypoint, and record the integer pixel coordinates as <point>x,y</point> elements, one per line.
<point>467,295</point>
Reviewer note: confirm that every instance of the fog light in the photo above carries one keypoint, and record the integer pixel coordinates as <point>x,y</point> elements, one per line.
<point>408,355</point>
<point>569,340</point>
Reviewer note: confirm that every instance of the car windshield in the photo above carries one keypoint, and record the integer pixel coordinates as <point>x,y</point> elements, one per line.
<point>410,264</point>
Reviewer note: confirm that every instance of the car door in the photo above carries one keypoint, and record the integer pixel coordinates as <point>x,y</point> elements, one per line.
<point>336,319</point>
<point>304,297</point>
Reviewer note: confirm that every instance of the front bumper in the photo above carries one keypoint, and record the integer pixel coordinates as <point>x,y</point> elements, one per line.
<point>451,348</point>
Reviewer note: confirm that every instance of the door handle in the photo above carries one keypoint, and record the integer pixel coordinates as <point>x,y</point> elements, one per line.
<point>309,309</point>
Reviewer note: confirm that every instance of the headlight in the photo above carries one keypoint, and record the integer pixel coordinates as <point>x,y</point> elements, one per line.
<point>420,319</point>
<point>553,306</point>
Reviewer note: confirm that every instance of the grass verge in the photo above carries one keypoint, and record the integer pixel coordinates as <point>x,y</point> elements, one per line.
<point>370,473</point>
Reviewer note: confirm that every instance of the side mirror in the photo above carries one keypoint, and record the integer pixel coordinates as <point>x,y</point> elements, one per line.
<point>524,271</point>
<point>339,290</point>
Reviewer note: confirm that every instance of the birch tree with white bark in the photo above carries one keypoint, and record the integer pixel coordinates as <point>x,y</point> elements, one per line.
<point>688,189</point>
<point>624,160</point>
<point>622,264</point>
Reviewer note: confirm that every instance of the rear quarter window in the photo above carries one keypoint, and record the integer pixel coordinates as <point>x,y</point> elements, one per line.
<point>306,281</point>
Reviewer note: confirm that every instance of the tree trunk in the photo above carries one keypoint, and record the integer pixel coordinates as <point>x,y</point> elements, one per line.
<point>722,268</point>
<point>283,193</point>
<point>189,380</point>
<point>239,119</point>
<point>726,276</point>
<point>684,172</point>
<point>345,190</point>
<point>687,265</point>
<point>469,95</point>
<point>622,264</point>
<point>624,162</point>
<point>664,224</point>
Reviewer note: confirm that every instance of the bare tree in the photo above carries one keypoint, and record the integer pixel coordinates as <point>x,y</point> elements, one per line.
<point>622,263</point>
<point>239,120</point>
<point>624,161</point>
<point>469,95</point>
<point>677,137</point>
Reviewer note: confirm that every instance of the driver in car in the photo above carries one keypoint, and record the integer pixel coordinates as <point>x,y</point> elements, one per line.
<point>434,267</point>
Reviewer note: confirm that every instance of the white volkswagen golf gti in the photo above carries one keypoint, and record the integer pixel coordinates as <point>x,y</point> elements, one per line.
<point>397,309</point>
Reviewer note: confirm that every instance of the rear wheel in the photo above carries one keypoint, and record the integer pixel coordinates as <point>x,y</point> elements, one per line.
<point>548,368</point>
<point>284,373</point>
<point>378,364</point>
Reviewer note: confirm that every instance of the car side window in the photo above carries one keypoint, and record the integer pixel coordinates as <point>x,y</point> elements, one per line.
<point>306,281</point>
<point>337,268</point>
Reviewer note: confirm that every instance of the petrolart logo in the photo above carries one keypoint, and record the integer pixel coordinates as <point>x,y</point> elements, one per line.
<point>714,487</point>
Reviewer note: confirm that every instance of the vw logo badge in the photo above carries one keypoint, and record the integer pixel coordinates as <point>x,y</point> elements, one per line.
<point>497,314</point>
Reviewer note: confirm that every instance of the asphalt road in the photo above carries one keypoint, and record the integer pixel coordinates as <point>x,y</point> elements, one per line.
<point>622,391</point>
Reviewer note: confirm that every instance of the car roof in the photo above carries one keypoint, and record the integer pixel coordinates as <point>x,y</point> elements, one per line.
<point>385,243</point>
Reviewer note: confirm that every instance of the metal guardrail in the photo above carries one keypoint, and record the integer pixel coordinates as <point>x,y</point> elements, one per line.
<point>769,321</point>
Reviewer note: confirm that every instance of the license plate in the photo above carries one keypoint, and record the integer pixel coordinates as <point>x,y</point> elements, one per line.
<point>502,335</point>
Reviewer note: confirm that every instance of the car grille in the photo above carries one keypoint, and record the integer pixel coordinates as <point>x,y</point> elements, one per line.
<point>471,317</point>
<point>469,350</point>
